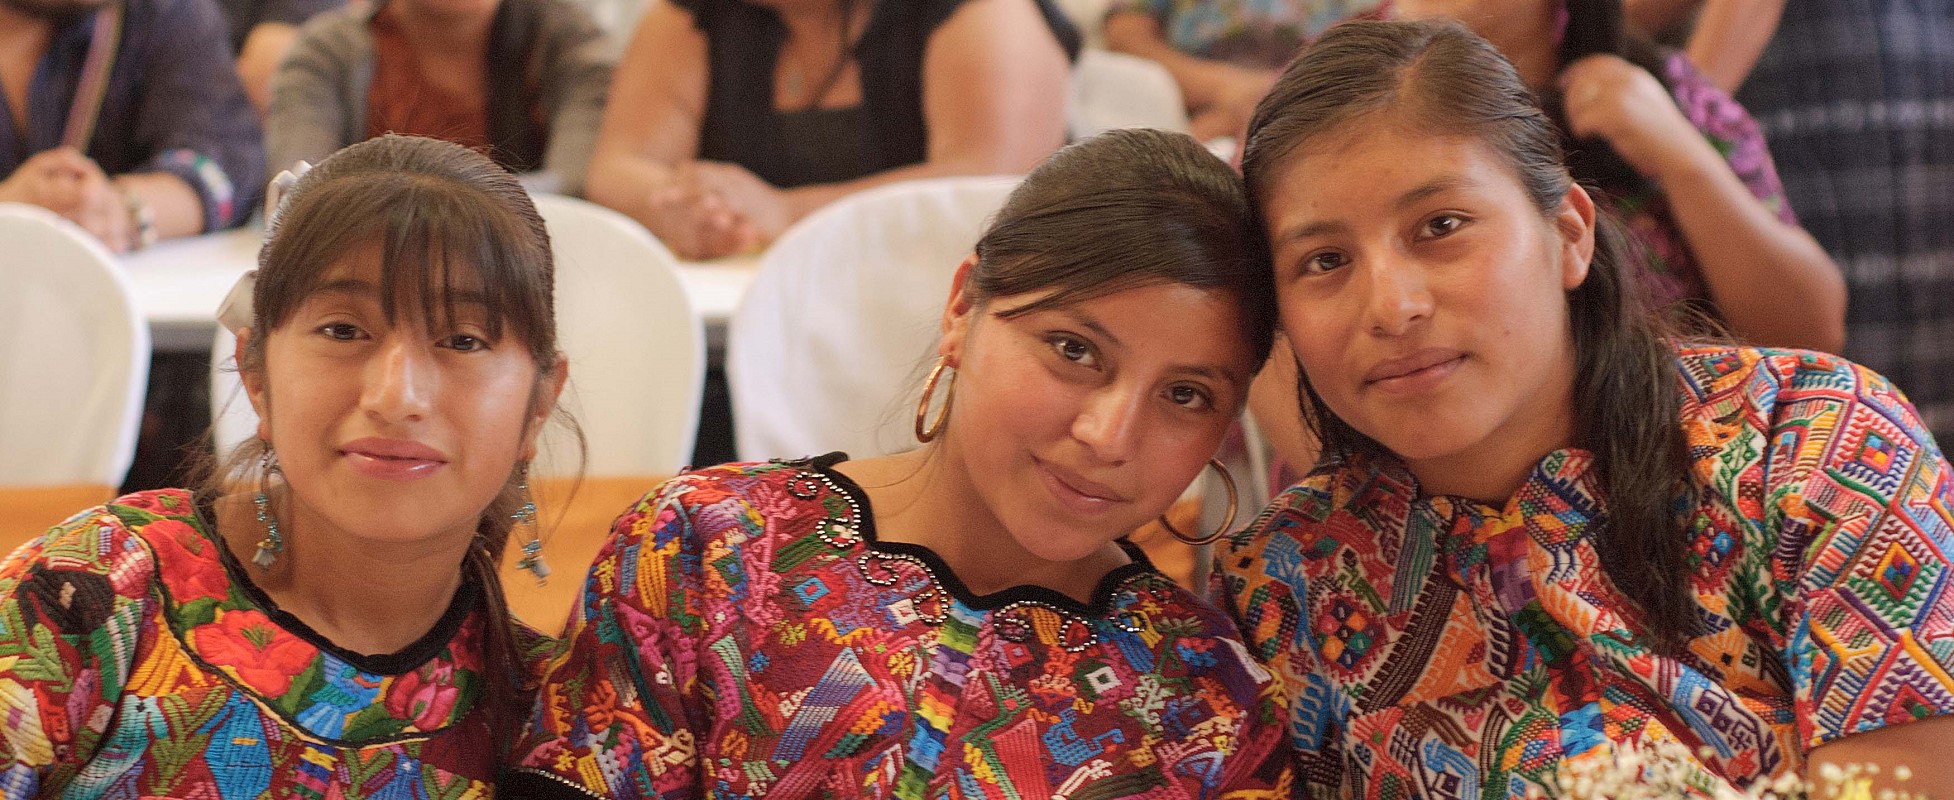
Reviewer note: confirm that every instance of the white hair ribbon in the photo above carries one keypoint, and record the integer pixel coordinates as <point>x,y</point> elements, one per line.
<point>236,312</point>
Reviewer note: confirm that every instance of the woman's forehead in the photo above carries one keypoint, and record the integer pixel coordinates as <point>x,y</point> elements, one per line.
<point>367,270</point>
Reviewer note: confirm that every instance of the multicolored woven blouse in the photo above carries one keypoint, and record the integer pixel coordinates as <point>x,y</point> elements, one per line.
<point>745,635</point>
<point>136,660</point>
<point>1673,274</point>
<point>1437,647</point>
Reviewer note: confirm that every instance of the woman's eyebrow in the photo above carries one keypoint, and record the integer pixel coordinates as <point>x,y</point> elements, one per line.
<point>1426,190</point>
<point>362,288</point>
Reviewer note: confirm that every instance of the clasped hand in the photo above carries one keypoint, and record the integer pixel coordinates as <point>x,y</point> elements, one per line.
<point>1608,98</point>
<point>68,183</point>
<point>709,209</point>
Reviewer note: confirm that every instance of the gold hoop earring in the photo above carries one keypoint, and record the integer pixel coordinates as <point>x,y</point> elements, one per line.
<point>935,428</point>
<point>1234,501</point>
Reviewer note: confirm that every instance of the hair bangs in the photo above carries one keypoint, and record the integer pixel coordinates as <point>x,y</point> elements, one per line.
<point>441,249</point>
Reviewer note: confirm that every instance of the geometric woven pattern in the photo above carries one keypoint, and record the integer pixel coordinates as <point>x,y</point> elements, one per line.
<point>133,665</point>
<point>744,635</point>
<point>1819,561</point>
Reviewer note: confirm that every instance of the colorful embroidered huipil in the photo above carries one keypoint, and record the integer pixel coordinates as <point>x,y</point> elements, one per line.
<point>137,661</point>
<point>1437,647</point>
<point>744,635</point>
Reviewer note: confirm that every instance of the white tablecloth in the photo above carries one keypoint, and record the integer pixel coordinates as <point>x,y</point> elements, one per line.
<point>179,284</point>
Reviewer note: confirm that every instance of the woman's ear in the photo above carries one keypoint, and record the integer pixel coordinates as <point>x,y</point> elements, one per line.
<point>1575,222</point>
<point>547,396</point>
<point>254,384</point>
<point>957,313</point>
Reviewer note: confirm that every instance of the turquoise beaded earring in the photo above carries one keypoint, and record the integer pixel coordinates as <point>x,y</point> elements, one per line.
<point>273,543</point>
<point>532,550</point>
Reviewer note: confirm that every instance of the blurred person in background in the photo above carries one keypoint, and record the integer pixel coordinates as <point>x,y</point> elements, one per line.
<point>731,119</point>
<point>1679,161</point>
<point>1857,100</point>
<point>126,117</point>
<point>1223,54</point>
<point>522,81</point>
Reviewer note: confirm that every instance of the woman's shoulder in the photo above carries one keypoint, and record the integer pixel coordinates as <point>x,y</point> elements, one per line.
<point>95,565</point>
<point>714,501</point>
<point>1800,398</point>
<point>112,538</point>
<point>1202,645</point>
<point>1766,378</point>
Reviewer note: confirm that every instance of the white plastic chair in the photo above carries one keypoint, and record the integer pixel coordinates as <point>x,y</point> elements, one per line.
<point>637,351</point>
<point>843,316</point>
<point>1115,90</point>
<point>74,355</point>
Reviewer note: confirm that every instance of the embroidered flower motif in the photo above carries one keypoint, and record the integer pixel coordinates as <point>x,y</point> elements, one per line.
<point>187,561</point>
<point>166,502</point>
<point>247,644</point>
<point>426,695</point>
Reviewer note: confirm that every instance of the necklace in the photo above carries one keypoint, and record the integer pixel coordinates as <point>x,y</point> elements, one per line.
<point>793,82</point>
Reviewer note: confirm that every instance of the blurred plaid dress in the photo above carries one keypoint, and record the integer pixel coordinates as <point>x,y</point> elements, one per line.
<point>1857,100</point>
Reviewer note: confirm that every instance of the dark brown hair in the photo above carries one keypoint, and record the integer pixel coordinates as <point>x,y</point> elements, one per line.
<point>1126,209</point>
<point>1596,27</point>
<point>434,208</point>
<point>1441,79</point>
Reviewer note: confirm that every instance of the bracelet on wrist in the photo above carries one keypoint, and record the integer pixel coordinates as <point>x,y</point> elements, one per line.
<point>142,219</point>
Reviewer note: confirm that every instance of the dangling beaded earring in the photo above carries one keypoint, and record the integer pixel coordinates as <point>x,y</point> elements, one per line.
<point>532,550</point>
<point>273,543</point>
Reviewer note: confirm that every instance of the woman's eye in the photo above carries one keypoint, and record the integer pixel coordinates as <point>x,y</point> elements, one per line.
<point>1190,397</point>
<point>1442,225</point>
<point>464,343</point>
<point>1073,350</point>
<point>1325,262</point>
<point>342,331</point>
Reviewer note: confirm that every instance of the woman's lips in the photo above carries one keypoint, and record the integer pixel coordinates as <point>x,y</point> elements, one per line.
<point>1418,372</point>
<point>1075,492</point>
<point>393,459</point>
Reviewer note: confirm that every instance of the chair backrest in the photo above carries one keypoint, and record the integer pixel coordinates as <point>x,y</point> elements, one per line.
<point>637,351</point>
<point>74,355</point>
<point>843,316</point>
<point>1115,90</point>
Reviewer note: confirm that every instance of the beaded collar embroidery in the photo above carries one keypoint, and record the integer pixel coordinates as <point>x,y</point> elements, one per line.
<point>1017,621</point>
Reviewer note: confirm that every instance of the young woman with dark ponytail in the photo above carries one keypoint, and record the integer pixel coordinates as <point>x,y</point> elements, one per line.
<point>964,619</point>
<point>322,617</point>
<point>1673,156</point>
<point>1545,529</point>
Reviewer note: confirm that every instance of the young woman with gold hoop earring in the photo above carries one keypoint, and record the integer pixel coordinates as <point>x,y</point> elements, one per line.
<point>966,614</point>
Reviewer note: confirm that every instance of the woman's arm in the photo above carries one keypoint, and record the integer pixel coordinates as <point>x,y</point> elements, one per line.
<point>1921,746</point>
<point>1220,96</point>
<point>73,607</point>
<point>1859,500</point>
<point>1770,279</point>
<point>1730,35</point>
<point>651,129</point>
<point>207,162</point>
<point>994,84</point>
<point>258,61</point>
<point>1655,18</point>
<point>622,710</point>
